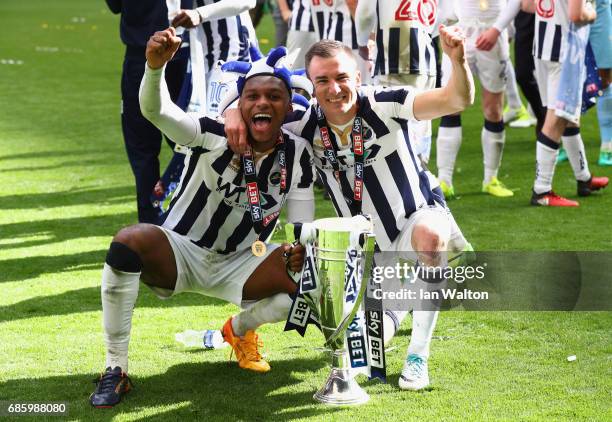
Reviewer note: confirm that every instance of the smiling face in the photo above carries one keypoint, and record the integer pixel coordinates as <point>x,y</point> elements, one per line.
<point>264,103</point>
<point>335,82</point>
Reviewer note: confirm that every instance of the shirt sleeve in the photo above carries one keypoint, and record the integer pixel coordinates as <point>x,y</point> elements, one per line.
<point>507,14</point>
<point>224,9</point>
<point>394,102</point>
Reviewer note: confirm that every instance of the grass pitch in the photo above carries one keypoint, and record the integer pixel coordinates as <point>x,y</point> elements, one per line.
<point>67,188</point>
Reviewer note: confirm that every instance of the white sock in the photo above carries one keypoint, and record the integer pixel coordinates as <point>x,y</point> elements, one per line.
<point>423,324</point>
<point>512,94</point>
<point>577,157</point>
<point>391,324</point>
<point>546,158</point>
<point>119,293</point>
<point>448,143</point>
<point>492,149</point>
<point>269,310</point>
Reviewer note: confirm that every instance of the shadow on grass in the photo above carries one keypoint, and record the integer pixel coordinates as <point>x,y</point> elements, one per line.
<point>88,300</point>
<point>200,391</point>
<point>77,196</point>
<point>57,230</point>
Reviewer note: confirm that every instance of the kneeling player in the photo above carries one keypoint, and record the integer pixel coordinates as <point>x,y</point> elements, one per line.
<point>212,239</point>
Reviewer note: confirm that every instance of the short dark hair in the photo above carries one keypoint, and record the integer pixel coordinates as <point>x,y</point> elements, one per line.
<point>326,49</point>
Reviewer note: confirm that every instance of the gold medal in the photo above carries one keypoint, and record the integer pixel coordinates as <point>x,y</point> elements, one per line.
<point>258,248</point>
<point>484,5</point>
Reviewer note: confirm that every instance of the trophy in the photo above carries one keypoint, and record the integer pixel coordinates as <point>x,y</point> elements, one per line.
<point>343,249</point>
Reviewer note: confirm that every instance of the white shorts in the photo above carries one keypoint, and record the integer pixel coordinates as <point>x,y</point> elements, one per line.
<point>548,75</point>
<point>404,253</point>
<point>207,272</point>
<point>489,66</point>
<point>302,40</point>
<point>437,214</point>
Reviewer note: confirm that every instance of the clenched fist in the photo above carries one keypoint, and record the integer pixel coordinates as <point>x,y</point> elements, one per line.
<point>161,47</point>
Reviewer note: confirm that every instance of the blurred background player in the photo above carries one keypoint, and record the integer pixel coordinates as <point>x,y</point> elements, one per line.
<point>301,34</point>
<point>143,140</point>
<point>515,113</point>
<point>601,42</point>
<point>475,16</point>
<point>550,46</point>
<point>335,20</point>
<point>404,53</point>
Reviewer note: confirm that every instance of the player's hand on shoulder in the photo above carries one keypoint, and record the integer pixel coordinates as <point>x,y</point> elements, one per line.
<point>187,19</point>
<point>452,41</point>
<point>161,47</point>
<point>235,130</point>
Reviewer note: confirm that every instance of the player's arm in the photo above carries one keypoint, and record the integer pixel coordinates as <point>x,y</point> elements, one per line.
<point>487,40</point>
<point>365,19</point>
<point>283,8</point>
<point>528,6</point>
<point>114,6</point>
<point>459,92</point>
<point>581,12</point>
<point>219,10</point>
<point>155,102</point>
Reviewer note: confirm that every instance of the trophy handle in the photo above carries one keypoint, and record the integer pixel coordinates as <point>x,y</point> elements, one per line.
<point>369,259</point>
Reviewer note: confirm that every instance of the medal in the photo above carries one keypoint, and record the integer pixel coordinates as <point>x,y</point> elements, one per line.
<point>258,248</point>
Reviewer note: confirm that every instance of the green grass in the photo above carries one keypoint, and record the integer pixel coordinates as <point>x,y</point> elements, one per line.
<point>67,188</point>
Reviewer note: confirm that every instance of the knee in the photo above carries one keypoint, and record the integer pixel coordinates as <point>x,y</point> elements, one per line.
<point>124,253</point>
<point>493,111</point>
<point>429,243</point>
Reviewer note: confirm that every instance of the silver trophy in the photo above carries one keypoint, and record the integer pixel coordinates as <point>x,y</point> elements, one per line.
<point>341,246</point>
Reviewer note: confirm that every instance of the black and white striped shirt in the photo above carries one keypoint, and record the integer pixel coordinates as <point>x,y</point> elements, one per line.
<point>342,25</point>
<point>321,13</point>
<point>226,39</point>
<point>551,28</point>
<point>396,184</point>
<point>300,16</point>
<point>403,37</point>
<point>210,205</point>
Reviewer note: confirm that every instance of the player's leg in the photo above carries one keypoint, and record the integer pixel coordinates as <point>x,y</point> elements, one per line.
<point>135,252</point>
<point>524,65</point>
<point>491,69</point>
<point>515,112</point>
<point>269,287</point>
<point>429,234</point>
<point>600,36</point>
<point>448,141</point>
<point>586,182</point>
<point>493,138</point>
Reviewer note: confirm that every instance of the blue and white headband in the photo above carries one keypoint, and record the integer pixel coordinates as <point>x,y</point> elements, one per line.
<point>271,65</point>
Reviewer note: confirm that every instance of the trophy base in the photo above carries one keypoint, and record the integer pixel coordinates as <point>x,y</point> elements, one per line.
<point>341,389</point>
